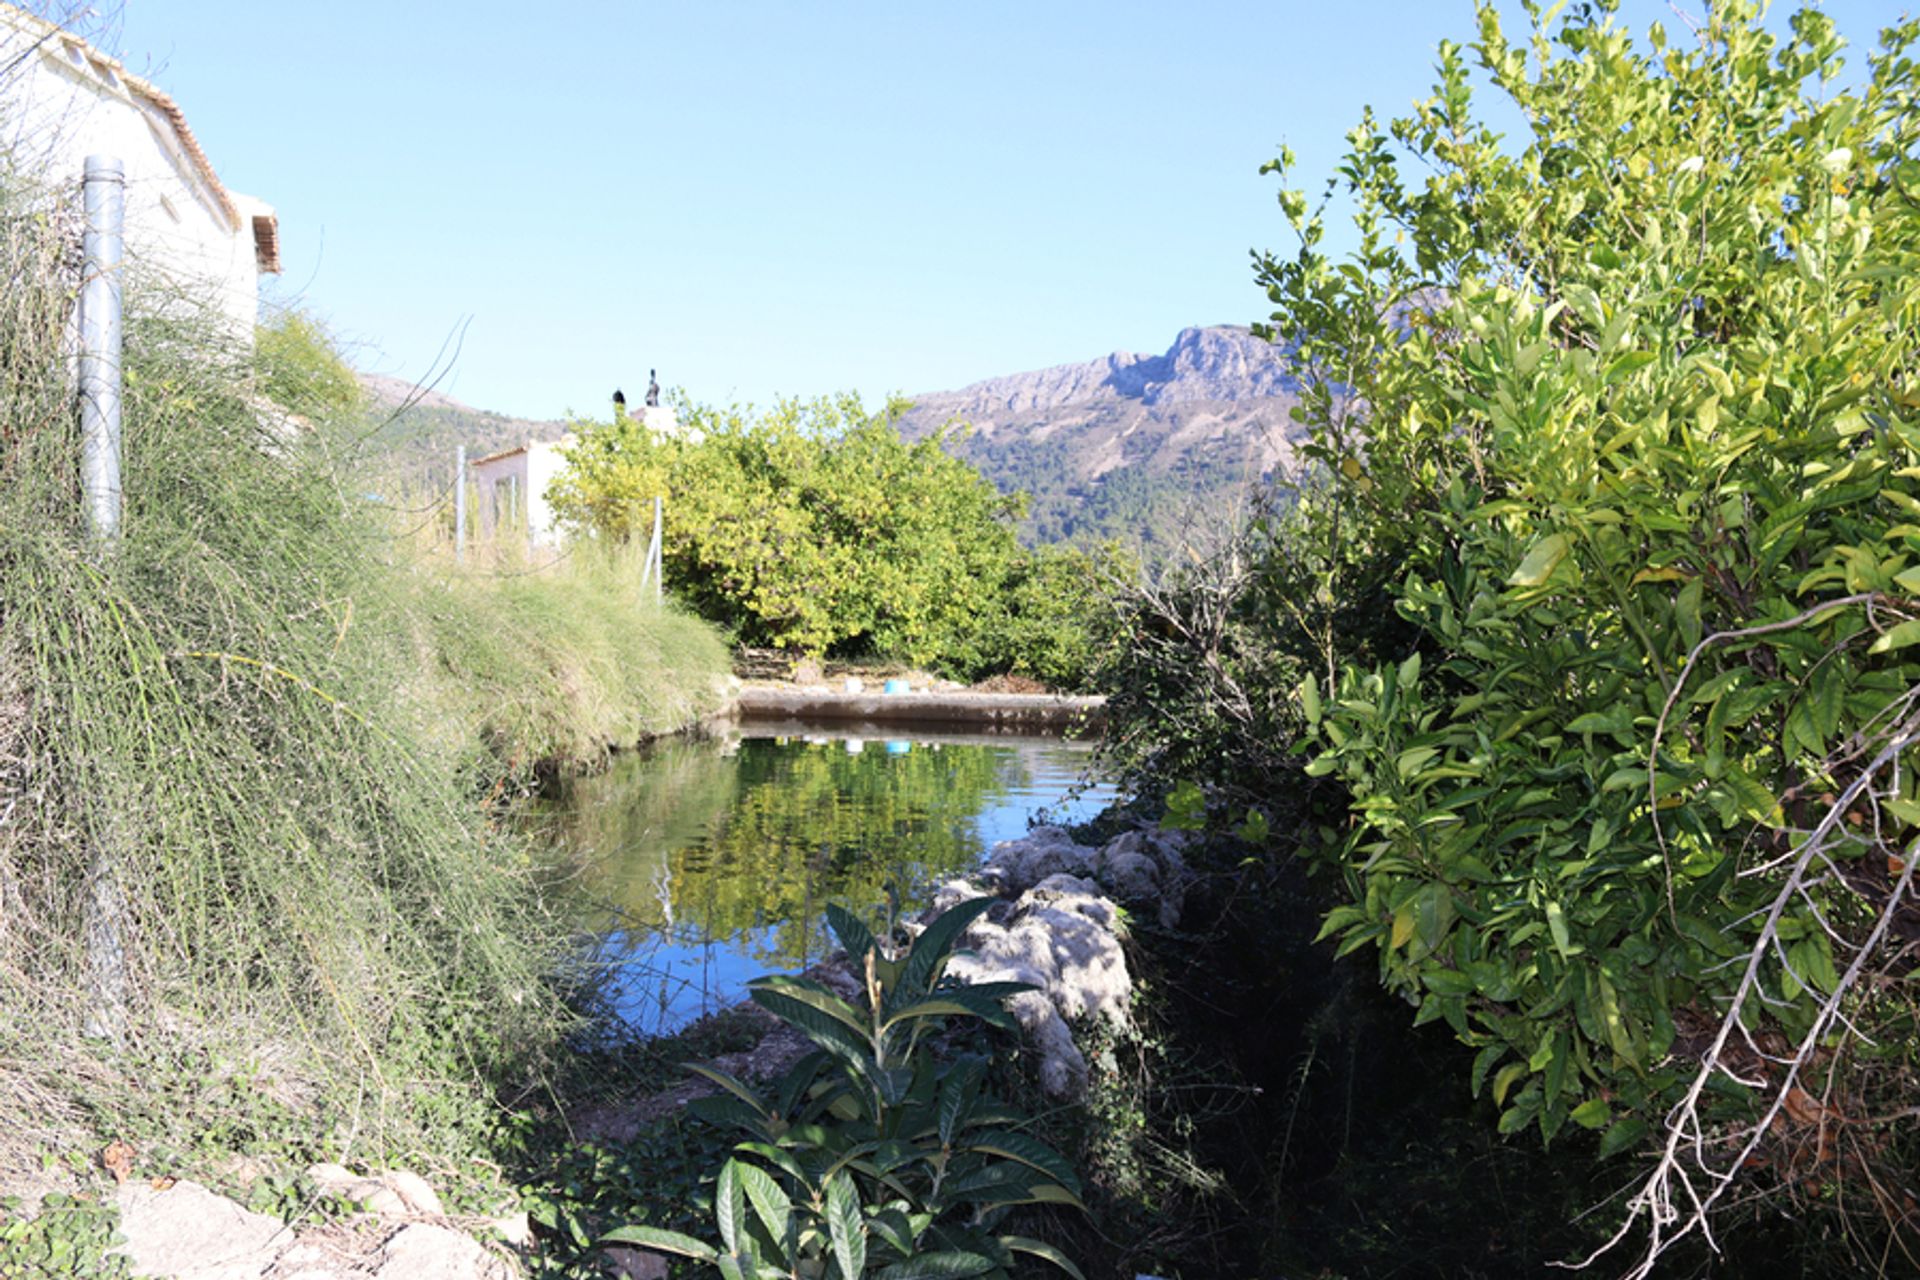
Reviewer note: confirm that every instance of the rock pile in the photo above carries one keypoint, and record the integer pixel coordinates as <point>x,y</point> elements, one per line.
<point>1058,928</point>
<point>182,1231</point>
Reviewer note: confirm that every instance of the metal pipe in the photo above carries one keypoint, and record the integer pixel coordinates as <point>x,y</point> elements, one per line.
<point>104,192</point>
<point>104,203</point>
<point>659,535</point>
<point>460,504</point>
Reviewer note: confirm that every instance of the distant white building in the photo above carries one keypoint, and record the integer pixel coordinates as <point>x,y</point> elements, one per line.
<point>61,101</point>
<point>510,489</point>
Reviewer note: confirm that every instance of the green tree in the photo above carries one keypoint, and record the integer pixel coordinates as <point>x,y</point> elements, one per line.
<point>301,370</point>
<point>1630,401</point>
<point>816,526</point>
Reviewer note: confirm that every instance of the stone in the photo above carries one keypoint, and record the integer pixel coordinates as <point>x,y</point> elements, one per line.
<point>376,1198</point>
<point>1060,936</point>
<point>413,1189</point>
<point>635,1264</point>
<point>515,1229</point>
<point>1018,865</point>
<point>331,1177</point>
<point>422,1251</point>
<point>188,1233</point>
<point>1134,878</point>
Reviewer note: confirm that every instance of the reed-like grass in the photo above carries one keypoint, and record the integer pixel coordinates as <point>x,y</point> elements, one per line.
<point>252,896</point>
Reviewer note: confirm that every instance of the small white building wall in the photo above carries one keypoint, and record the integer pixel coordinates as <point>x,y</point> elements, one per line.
<point>516,482</point>
<point>60,102</point>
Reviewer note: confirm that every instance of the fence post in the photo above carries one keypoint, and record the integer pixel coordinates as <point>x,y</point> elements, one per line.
<point>460,504</point>
<point>104,201</point>
<point>654,553</point>
<point>104,197</point>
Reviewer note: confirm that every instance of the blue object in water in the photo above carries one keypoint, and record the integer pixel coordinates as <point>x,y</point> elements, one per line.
<point>895,747</point>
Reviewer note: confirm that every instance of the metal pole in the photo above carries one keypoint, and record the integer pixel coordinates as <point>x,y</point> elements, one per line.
<point>105,198</point>
<point>460,504</point>
<point>658,534</point>
<point>104,202</point>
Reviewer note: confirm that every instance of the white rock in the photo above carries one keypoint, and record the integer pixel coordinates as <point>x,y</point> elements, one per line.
<point>377,1197</point>
<point>188,1233</point>
<point>422,1251</point>
<point>412,1188</point>
<point>331,1177</point>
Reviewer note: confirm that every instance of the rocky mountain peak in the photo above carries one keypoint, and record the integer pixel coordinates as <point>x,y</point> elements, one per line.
<point>1220,363</point>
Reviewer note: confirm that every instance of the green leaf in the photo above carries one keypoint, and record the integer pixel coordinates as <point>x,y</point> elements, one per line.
<point>1540,562</point>
<point>931,947</point>
<point>1906,633</point>
<point>1557,926</point>
<point>1483,1062</point>
<point>854,935</point>
<point>772,1205</point>
<point>1622,1136</point>
<point>957,1095</point>
<point>1504,1081</point>
<point>1028,1151</point>
<point>1591,1114</point>
<point>947,1265</point>
<point>1041,1249</point>
<point>730,1206</point>
<point>845,1228</point>
<point>829,1021</point>
<point>949,1005</point>
<point>732,1084</point>
<point>655,1238</point>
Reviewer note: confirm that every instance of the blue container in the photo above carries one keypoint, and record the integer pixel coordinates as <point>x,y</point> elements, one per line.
<point>897,686</point>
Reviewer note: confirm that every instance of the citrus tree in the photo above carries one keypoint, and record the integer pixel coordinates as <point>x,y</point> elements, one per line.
<point>816,526</point>
<point>1631,398</point>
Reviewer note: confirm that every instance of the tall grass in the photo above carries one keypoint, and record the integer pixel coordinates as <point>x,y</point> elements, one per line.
<point>560,658</point>
<point>246,878</point>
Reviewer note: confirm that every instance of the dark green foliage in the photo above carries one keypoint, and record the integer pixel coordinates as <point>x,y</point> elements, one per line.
<point>67,1237</point>
<point>875,1153</point>
<point>1616,431</point>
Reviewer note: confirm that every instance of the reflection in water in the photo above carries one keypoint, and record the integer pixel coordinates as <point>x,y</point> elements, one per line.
<point>706,863</point>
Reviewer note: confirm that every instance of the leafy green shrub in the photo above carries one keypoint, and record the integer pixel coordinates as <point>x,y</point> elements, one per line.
<point>1636,815</point>
<point>300,368</point>
<point>873,1154</point>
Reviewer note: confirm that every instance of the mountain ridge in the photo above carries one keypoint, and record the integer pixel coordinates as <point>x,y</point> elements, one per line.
<point>1132,445</point>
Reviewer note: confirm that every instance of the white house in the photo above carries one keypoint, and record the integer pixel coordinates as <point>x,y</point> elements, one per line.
<point>511,489</point>
<point>61,101</point>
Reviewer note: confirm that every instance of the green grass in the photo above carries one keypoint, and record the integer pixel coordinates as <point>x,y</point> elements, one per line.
<point>564,663</point>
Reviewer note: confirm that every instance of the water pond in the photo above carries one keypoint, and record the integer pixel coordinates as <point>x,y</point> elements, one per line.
<point>702,863</point>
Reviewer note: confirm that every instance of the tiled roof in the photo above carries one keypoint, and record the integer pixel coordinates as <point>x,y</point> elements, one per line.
<point>139,90</point>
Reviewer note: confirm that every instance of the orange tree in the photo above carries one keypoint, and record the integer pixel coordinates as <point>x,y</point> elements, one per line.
<point>1632,398</point>
<point>816,526</point>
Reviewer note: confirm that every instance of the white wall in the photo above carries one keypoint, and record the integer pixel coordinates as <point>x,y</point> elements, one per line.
<point>518,481</point>
<point>60,103</point>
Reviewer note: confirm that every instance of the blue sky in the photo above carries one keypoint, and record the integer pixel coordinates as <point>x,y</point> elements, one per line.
<point>765,198</point>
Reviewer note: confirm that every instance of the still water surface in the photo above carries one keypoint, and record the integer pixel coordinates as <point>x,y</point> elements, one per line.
<point>704,863</point>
